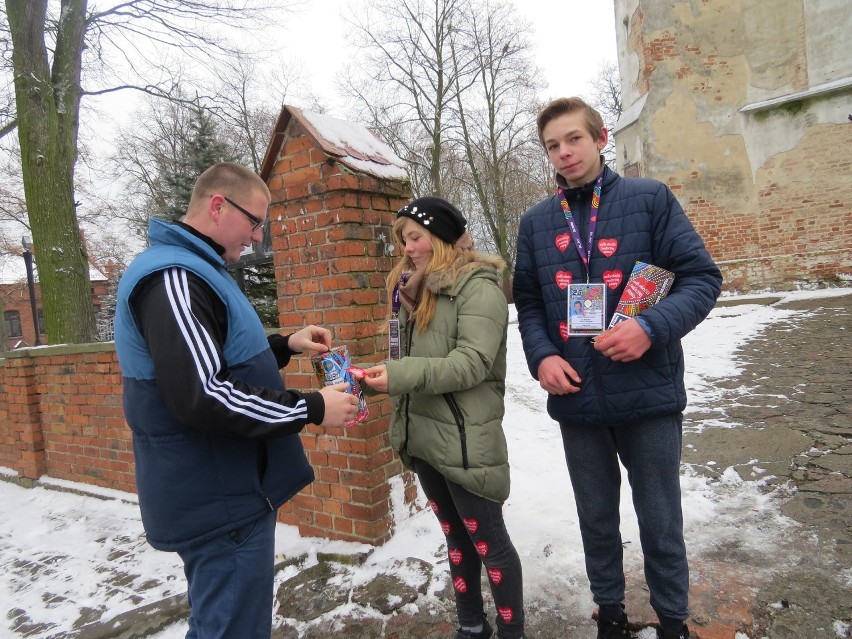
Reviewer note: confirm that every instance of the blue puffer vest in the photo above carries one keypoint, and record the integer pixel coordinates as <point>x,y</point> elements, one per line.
<point>194,485</point>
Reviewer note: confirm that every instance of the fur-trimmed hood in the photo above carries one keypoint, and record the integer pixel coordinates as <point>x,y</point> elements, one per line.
<point>463,268</point>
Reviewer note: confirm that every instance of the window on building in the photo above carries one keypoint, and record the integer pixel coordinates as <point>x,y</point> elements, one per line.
<point>41,326</point>
<point>12,323</point>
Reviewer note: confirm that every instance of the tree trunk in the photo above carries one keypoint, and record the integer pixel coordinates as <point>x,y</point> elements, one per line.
<point>48,104</point>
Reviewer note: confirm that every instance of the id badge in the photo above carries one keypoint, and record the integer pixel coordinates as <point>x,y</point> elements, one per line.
<point>586,309</point>
<point>394,351</point>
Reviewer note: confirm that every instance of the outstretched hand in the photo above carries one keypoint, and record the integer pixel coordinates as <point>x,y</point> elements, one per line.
<point>311,338</point>
<point>376,378</point>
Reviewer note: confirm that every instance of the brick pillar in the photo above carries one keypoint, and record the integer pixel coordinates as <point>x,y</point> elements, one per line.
<point>330,229</point>
<point>22,428</point>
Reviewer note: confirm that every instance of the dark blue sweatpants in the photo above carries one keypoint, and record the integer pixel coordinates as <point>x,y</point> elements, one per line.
<point>650,452</point>
<point>230,583</point>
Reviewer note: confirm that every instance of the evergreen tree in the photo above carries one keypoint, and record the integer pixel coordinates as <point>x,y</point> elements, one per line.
<point>260,289</point>
<point>203,147</point>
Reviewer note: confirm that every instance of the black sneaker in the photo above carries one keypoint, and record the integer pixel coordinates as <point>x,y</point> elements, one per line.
<point>609,629</point>
<point>485,633</point>
<point>667,634</point>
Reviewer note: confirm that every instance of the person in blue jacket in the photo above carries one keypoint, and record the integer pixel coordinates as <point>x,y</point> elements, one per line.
<point>215,432</point>
<point>619,395</point>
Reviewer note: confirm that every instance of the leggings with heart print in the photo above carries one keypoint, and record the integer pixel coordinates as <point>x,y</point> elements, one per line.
<point>476,536</point>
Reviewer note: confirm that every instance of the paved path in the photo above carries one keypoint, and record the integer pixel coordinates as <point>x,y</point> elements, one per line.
<point>794,420</point>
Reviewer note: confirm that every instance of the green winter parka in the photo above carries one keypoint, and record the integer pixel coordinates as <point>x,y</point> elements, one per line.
<point>448,388</point>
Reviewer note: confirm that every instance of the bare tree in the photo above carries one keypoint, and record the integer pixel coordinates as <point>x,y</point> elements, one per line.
<point>242,105</point>
<point>407,43</point>
<point>496,121</point>
<point>121,45</point>
<point>159,157</point>
<point>451,86</point>
<point>606,98</point>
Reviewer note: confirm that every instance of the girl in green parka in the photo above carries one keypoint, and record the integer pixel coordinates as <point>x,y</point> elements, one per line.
<point>446,377</point>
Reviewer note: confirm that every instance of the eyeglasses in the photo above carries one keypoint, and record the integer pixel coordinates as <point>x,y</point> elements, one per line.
<point>256,222</point>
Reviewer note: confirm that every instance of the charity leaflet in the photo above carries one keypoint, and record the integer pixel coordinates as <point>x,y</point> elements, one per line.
<point>646,286</point>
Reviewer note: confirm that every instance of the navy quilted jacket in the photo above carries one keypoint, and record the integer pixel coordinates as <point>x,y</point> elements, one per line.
<point>638,220</point>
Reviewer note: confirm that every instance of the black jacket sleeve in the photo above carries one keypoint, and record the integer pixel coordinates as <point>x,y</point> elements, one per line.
<point>207,395</point>
<point>280,346</point>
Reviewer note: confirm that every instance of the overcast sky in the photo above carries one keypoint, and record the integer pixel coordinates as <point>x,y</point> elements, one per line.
<point>571,39</point>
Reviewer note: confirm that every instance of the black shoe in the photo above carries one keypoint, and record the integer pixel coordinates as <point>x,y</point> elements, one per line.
<point>667,634</point>
<point>485,633</point>
<point>609,629</point>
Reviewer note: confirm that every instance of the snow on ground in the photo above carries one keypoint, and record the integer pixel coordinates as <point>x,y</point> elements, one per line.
<point>68,537</point>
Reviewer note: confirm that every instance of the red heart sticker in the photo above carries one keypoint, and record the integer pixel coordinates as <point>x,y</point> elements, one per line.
<point>639,290</point>
<point>455,556</point>
<point>563,279</point>
<point>445,526</point>
<point>459,584</point>
<point>563,241</point>
<point>496,575</point>
<point>563,330</point>
<point>471,524</point>
<point>431,503</point>
<point>482,548</point>
<point>506,613</point>
<point>608,246</point>
<point>612,279</point>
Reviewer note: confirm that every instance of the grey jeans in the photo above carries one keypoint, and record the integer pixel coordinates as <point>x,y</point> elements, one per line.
<point>650,452</point>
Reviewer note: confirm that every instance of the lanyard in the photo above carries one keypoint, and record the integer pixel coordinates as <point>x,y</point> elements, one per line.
<point>585,252</point>
<point>395,297</point>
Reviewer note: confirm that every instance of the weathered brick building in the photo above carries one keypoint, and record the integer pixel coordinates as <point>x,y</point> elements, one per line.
<point>18,322</point>
<point>744,108</point>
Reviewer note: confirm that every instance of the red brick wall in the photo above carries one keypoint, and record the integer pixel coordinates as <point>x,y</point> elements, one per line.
<point>330,228</point>
<point>64,416</point>
<point>801,230</point>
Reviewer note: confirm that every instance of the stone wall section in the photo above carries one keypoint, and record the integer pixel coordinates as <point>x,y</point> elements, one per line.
<point>751,130</point>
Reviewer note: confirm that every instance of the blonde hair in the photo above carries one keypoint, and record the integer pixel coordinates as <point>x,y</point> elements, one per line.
<point>444,256</point>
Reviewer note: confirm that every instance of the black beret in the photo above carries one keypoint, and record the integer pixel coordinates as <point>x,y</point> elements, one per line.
<point>441,218</point>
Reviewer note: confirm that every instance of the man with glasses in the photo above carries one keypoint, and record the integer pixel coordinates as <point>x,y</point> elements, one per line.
<point>256,222</point>
<point>215,432</point>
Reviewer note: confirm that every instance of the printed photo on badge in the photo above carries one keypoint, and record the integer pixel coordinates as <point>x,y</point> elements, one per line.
<point>586,309</point>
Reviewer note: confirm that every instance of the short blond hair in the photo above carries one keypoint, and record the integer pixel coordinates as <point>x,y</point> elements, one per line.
<point>228,178</point>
